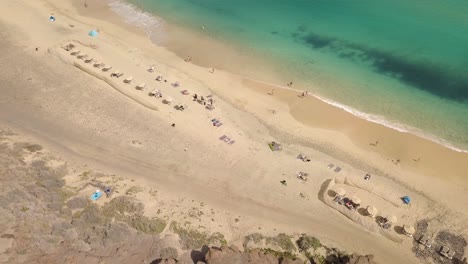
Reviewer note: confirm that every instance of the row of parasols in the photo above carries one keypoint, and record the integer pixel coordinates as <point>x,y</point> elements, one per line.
<point>372,212</point>
<point>87,59</point>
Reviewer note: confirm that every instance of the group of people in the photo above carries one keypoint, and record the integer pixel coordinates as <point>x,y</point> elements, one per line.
<point>202,99</point>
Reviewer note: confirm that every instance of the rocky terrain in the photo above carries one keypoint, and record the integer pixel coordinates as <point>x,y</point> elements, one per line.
<point>46,220</point>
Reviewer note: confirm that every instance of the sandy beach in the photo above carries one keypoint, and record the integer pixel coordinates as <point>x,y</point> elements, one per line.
<point>219,158</point>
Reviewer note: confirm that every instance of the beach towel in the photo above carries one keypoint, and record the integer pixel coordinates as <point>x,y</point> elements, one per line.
<point>93,33</point>
<point>232,142</point>
<point>96,195</point>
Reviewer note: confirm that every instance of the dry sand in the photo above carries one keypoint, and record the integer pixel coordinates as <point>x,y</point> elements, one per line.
<point>92,119</point>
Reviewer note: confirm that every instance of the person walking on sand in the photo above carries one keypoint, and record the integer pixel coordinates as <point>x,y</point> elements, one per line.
<point>272,92</point>
<point>212,70</point>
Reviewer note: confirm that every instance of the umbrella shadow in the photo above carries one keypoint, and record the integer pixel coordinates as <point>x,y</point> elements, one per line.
<point>362,211</point>
<point>399,230</point>
<point>378,219</point>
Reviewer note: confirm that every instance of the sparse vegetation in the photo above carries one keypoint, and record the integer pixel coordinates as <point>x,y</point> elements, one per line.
<point>147,225</point>
<point>134,190</point>
<point>33,147</point>
<point>283,241</point>
<point>191,238</point>
<point>305,242</point>
<point>280,254</point>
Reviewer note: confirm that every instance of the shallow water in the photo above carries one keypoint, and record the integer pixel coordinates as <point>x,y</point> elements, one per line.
<point>397,62</point>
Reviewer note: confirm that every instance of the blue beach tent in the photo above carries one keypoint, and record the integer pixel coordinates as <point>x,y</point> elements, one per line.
<point>51,18</point>
<point>93,33</point>
<point>406,199</point>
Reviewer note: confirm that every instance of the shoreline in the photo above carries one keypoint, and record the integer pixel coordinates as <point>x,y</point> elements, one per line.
<point>90,121</point>
<point>373,118</point>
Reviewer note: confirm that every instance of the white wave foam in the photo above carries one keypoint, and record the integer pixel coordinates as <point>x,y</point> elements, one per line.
<point>381,120</point>
<point>151,24</point>
<point>391,124</point>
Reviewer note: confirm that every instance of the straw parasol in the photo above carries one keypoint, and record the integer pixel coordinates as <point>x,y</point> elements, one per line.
<point>340,191</point>
<point>128,79</point>
<point>355,200</point>
<point>409,229</point>
<point>141,86</point>
<point>371,210</point>
<point>392,219</point>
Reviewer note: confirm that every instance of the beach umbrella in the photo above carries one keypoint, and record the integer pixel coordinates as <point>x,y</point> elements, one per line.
<point>141,86</point>
<point>128,79</point>
<point>169,99</point>
<point>355,200</point>
<point>409,229</point>
<point>392,219</point>
<point>93,33</point>
<point>340,191</point>
<point>371,210</point>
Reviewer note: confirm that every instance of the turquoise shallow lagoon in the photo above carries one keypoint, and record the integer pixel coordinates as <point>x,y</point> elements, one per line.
<point>401,63</point>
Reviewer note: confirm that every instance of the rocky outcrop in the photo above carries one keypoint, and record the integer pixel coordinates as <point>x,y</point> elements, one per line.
<point>232,255</point>
<point>357,259</point>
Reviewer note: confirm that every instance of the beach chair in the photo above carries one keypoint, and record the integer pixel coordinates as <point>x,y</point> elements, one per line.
<point>154,92</point>
<point>69,47</point>
<point>337,169</point>
<point>275,146</point>
<point>447,252</point>
<point>231,142</point>
<point>330,166</point>
<point>75,53</point>
<point>106,68</point>
<point>89,60</point>
<point>222,137</point>
<point>338,199</point>
<point>115,74</point>
<point>185,92</point>
<point>218,124</point>
<point>82,56</point>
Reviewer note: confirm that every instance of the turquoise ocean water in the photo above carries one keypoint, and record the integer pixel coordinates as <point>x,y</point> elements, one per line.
<point>397,62</point>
